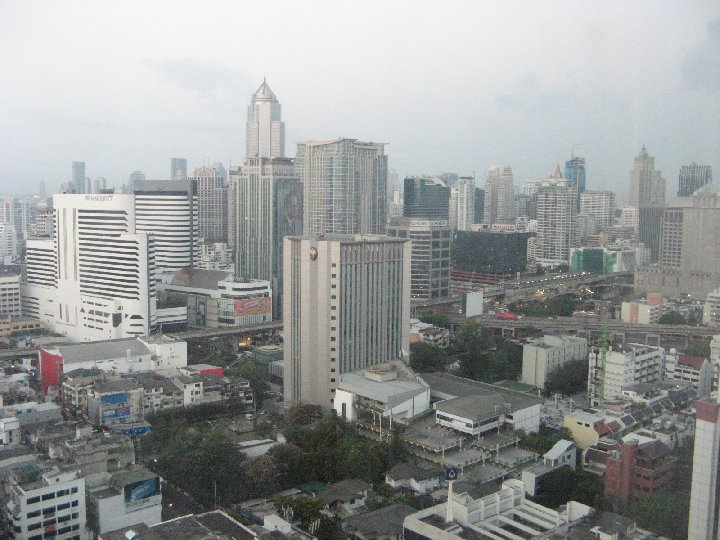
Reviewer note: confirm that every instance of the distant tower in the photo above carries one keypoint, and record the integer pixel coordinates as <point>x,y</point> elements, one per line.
<point>575,173</point>
<point>344,186</point>
<point>426,197</point>
<point>178,168</point>
<point>499,196</point>
<point>212,194</point>
<point>647,194</point>
<point>556,211</point>
<point>41,189</point>
<point>462,204</point>
<point>693,177</point>
<point>78,176</point>
<point>265,131</point>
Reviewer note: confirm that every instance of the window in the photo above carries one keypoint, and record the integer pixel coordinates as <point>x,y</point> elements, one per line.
<point>33,514</point>
<point>34,526</point>
<point>74,503</point>
<point>74,490</point>
<point>33,500</point>
<point>63,492</point>
<point>48,496</point>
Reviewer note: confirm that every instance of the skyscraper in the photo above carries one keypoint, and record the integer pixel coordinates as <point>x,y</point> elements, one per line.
<point>168,210</point>
<point>265,131</point>
<point>600,205</point>
<point>462,204</point>
<point>693,177</point>
<point>212,194</point>
<point>267,204</point>
<point>78,176</point>
<point>344,186</point>
<point>99,184</point>
<point>556,211</point>
<point>426,197</point>
<point>575,173</point>
<point>647,194</point>
<point>95,279</point>
<point>499,196</point>
<point>178,168</point>
<point>346,307</point>
<point>703,519</point>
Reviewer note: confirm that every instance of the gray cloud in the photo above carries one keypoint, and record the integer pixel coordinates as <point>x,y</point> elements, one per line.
<point>701,65</point>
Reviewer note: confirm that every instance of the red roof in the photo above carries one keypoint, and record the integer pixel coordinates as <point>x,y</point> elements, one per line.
<point>603,430</point>
<point>695,362</point>
<point>614,425</point>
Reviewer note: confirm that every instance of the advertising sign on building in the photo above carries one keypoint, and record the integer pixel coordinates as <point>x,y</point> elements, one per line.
<point>141,494</point>
<point>253,306</point>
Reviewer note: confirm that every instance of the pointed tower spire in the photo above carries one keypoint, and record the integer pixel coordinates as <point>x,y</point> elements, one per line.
<point>558,173</point>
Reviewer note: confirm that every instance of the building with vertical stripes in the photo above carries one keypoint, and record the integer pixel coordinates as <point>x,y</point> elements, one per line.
<point>346,305</point>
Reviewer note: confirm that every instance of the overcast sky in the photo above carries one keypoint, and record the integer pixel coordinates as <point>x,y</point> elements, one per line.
<point>452,86</point>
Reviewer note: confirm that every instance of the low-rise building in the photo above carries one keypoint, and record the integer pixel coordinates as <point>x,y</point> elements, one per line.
<point>46,503</point>
<point>130,497</point>
<point>421,332</point>
<point>345,496</point>
<point>385,523</point>
<point>691,369</point>
<point>613,370</point>
<point>637,470</point>
<point>411,476</point>
<point>9,432</point>
<point>113,402</point>
<point>544,354</point>
<point>562,454</point>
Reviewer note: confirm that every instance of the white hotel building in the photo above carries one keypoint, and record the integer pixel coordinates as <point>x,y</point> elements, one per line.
<point>95,279</point>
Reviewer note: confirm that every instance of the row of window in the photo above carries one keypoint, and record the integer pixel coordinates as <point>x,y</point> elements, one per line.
<point>52,495</point>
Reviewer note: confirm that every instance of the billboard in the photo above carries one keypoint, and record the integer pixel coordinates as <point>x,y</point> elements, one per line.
<point>253,306</point>
<point>140,494</point>
<point>118,397</point>
<point>113,414</point>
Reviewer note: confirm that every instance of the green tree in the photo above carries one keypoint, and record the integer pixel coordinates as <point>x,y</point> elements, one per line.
<point>473,337</point>
<point>672,317</point>
<point>438,320</point>
<point>699,348</point>
<point>566,484</point>
<point>568,378</point>
<point>256,374</point>
<point>664,513</point>
<point>425,358</point>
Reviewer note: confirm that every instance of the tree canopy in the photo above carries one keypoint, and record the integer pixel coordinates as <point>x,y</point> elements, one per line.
<point>672,317</point>
<point>568,378</point>
<point>426,358</point>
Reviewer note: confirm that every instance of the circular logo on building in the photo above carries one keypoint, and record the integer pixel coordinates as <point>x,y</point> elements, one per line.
<point>313,254</point>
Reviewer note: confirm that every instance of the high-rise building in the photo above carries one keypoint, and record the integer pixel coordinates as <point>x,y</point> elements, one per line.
<point>346,307</point>
<point>178,169</point>
<point>16,211</point>
<point>78,176</point>
<point>344,186</point>
<point>168,209</point>
<point>8,243</point>
<point>430,254</point>
<point>575,173</point>
<point>499,196</point>
<point>647,194</point>
<point>99,184</point>
<point>487,253</point>
<point>426,197</point>
<point>556,211</point>
<point>703,518</point>
<point>449,178</point>
<point>265,131</point>
<point>267,204</point>
<point>689,261</point>
<point>95,279</point>
<point>479,205</point>
<point>462,204</point>
<point>600,205</point>
<point>212,195</point>
<point>693,177</point>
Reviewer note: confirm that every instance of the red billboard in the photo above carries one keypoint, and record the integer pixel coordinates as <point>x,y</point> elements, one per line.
<point>51,365</point>
<point>253,306</point>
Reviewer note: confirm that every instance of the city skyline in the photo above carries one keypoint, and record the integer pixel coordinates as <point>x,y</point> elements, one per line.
<point>192,102</point>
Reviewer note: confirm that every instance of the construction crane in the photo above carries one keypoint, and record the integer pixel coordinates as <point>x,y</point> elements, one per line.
<point>597,375</point>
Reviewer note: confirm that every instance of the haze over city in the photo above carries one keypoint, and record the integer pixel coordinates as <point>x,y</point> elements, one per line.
<point>451,86</point>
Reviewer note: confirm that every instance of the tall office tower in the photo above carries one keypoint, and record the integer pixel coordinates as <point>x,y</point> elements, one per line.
<point>220,170</point>
<point>575,173</point>
<point>629,218</point>
<point>264,131</point>
<point>99,184</point>
<point>95,279</point>
<point>41,189</point>
<point>647,194</point>
<point>8,243</point>
<point>689,262</point>
<point>499,196</point>
<point>462,204</point>
<point>212,195</point>
<point>78,176</point>
<point>429,255</point>
<point>167,209</point>
<point>44,221</point>
<point>449,179</point>
<point>703,518</point>
<point>693,177</point>
<point>556,211</point>
<point>16,212</point>
<point>600,205</point>
<point>135,176</point>
<point>346,307</point>
<point>268,203</point>
<point>426,197</point>
<point>178,168</point>
<point>344,186</point>
<point>531,187</point>
<point>479,205</point>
